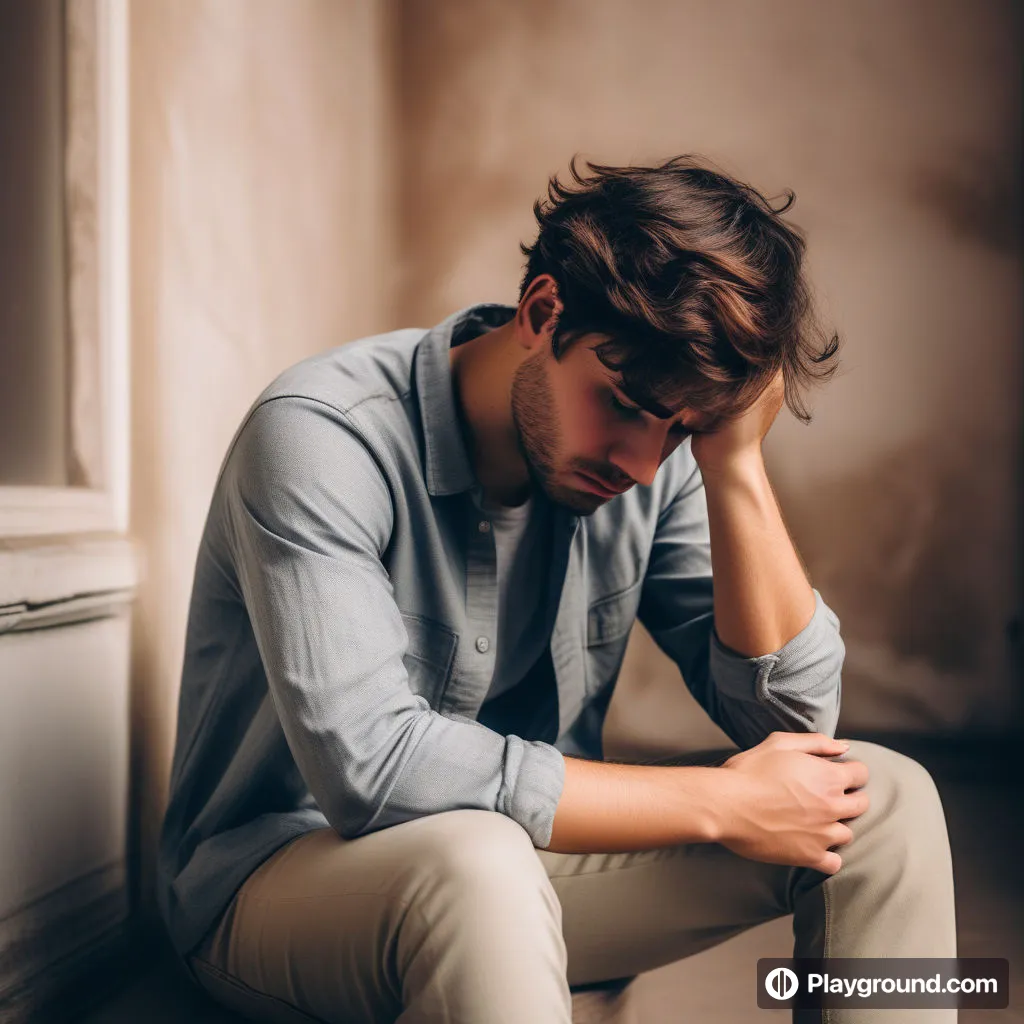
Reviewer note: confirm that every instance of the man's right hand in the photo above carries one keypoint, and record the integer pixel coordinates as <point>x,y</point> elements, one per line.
<point>785,802</point>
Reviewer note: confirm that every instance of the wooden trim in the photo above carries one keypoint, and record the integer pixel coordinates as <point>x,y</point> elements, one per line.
<point>114,310</point>
<point>21,618</point>
<point>57,942</point>
<point>86,455</point>
<point>37,511</point>
<point>35,572</point>
<point>97,174</point>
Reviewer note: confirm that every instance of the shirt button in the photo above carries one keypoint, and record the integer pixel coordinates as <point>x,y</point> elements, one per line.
<point>483,645</point>
<point>483,526</point>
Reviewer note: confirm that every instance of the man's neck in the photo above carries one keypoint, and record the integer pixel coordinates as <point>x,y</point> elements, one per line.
<point>482,372</point>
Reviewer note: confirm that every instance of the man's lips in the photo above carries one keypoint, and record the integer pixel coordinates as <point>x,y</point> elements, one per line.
<point>598,486</point>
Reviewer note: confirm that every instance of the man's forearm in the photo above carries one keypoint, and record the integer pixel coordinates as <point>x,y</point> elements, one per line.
<point>612,808</point>
<point>762,597</point>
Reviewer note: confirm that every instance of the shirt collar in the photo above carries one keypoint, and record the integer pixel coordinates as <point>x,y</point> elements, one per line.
<point>449,469</point>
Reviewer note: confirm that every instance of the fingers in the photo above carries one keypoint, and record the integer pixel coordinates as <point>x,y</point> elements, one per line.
<point>852,805</point>
<point>840,834</point>
<point>829,864</point>
<point>808,742</point>
<point>855,774</point>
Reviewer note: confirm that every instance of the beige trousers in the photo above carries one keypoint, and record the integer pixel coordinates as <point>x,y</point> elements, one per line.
<point>456,918</point>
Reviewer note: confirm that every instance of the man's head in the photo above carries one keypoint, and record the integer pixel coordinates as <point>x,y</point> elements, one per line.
<point>662,300</point>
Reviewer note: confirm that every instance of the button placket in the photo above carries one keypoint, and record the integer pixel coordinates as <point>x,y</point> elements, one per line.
<point>481,603</point>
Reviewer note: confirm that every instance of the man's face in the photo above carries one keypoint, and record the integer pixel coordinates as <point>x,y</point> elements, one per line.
<point>582,437</point>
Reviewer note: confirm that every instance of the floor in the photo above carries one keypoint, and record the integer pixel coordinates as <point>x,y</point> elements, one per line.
<point>981,794</point>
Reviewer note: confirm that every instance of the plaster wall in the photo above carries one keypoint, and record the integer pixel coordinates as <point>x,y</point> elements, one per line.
<point>260,234</point>
<point>897,125</point>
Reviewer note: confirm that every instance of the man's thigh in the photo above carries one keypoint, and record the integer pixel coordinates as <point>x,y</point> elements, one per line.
<point>336,930</point>
<point>315,909</point>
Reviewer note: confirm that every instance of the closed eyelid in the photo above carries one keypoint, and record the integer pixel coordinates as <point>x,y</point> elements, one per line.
<point>640,411</point>
<point>625,403</point>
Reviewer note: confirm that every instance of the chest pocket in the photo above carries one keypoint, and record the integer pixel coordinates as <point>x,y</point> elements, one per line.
<point>609,622</point>
<point>429,657</point>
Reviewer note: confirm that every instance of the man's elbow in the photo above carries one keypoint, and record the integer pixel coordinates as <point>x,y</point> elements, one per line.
<point>352,817</point>
<point>353,810</point>
<point>809,700</point>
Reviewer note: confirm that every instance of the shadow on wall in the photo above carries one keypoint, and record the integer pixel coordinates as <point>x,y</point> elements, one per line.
<point>976,198</point>
<point>902,551</point>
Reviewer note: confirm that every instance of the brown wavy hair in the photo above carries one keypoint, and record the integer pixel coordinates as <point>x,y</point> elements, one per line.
<point>694,279</point>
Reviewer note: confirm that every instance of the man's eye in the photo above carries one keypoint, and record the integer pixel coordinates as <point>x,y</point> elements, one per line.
<point>630,412</point>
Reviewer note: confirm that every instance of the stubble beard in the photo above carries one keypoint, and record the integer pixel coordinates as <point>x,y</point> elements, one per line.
<point>539,437</point>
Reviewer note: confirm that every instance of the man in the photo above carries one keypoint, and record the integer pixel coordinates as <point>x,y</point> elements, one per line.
<point>423,558</point>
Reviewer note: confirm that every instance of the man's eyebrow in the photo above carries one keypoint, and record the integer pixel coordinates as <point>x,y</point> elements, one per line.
<point>645,403</point>
<point>657,409</point>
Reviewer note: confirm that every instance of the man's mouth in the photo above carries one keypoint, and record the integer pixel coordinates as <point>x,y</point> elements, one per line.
<point>597,486</point>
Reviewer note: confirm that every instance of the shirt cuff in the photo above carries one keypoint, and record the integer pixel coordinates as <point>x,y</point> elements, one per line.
<point>813,655</point>
<point>534,776</point>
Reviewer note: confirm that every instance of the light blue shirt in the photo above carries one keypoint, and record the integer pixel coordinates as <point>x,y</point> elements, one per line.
<point>341,634</point>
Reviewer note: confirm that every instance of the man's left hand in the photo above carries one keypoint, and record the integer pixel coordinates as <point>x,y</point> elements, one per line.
<point>738,439</point>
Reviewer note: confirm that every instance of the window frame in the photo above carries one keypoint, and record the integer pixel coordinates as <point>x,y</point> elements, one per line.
<point>36,511</point>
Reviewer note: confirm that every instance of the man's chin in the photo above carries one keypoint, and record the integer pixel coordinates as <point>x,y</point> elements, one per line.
<point>580,503</point>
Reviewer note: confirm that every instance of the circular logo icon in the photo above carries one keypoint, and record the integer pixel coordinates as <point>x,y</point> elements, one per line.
<point>781,983</point>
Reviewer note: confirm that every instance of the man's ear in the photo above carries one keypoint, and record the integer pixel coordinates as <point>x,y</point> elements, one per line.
<point>539,310</point>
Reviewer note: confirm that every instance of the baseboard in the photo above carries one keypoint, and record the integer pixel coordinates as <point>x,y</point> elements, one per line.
<point>62,953</point>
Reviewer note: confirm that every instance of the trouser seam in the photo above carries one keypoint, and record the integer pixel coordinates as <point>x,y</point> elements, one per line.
<point>826,899</point>
<point>676,850</point>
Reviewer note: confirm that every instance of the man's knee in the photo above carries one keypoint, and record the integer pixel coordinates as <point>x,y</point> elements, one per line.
<point>472,856</point>
<point>905,808</point>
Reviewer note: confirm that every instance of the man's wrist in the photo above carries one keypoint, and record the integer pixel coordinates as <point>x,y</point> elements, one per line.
<point>740,465</point>
<point>704,797</point>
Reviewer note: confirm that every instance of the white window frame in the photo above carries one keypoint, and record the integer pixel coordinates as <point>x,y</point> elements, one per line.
<point>62,511</point>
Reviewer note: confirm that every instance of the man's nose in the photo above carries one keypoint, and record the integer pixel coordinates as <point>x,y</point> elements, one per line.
<point>639,456</point>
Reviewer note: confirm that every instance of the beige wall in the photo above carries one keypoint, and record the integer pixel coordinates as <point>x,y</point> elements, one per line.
<point>260,234</point>
<point>274,214</point>
<point>898,127</point>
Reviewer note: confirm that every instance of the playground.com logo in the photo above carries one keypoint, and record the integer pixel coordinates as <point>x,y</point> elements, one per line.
<point>883,983</point>
<point>782,983</point>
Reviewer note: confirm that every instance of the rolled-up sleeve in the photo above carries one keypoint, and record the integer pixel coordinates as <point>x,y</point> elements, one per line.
<point>795,689</point>
<point>798,688</point>
<point>310,515</point>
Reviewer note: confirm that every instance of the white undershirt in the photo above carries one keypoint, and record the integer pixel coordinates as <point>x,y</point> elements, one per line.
<point>521,546</point>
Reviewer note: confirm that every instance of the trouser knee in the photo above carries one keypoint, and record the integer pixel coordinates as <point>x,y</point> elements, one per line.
<point>902,836</point>
<point>478,865</point>
<point>483,923</point>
